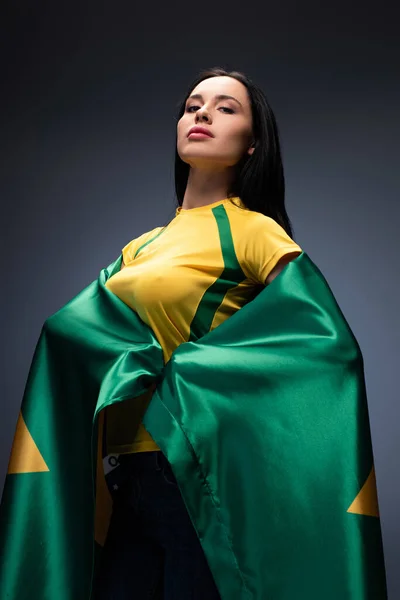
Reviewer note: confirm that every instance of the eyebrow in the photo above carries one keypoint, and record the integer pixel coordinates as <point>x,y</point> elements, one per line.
<point>218,97</point>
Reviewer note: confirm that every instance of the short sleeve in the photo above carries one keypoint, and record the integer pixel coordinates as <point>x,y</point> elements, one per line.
<point>266,243</point>
<point>130,250</point>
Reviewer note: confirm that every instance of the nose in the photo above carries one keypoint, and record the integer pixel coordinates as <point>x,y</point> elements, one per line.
<point>203,115</point>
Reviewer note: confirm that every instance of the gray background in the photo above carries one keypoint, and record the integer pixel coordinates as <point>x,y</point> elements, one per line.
<point>89,107</point>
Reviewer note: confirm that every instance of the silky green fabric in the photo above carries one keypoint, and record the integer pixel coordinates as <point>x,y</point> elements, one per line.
<point>264,421</point>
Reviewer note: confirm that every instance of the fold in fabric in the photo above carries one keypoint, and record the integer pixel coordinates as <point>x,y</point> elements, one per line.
<point>264,421</point>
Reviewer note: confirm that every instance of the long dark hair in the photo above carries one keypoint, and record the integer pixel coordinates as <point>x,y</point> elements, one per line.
<point>259,179</point>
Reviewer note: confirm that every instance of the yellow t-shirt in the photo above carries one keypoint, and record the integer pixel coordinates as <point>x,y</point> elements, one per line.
<point>185,279</point>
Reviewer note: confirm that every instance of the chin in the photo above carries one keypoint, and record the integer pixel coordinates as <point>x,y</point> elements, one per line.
<point>202,158</point>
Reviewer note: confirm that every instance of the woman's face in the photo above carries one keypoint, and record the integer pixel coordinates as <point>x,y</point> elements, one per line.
<point>229,120</point>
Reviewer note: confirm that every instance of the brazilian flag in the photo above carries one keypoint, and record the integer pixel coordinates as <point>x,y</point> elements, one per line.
<point>264,421</point>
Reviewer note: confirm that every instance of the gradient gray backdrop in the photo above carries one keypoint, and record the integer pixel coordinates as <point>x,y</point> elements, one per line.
<point>90,100</point>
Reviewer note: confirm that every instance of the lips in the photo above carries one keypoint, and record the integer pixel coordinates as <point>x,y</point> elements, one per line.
<point>200,130</point>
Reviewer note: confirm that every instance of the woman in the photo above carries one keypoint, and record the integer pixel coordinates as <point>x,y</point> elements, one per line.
<point>249,474</point>
<point>212,263</point>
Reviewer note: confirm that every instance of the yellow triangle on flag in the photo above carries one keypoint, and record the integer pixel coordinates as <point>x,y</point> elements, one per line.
<point>25,456</point>
<point>366,501</point>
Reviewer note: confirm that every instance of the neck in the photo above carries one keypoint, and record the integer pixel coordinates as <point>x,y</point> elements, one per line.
<point>206,186</point>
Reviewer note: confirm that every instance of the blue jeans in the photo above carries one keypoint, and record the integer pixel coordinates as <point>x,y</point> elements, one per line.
<point>152,550</point>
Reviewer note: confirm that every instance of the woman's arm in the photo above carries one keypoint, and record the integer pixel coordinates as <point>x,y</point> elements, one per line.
<point>282,263</point>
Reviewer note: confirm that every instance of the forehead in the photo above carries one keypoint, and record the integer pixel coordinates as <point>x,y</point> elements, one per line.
<point>222,85</point>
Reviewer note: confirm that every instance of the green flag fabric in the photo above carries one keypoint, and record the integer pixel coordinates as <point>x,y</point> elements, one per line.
<point>264,421</point>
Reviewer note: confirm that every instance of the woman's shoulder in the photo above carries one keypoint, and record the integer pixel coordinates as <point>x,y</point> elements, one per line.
<point>257,224</point>
<point>131,248</point>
